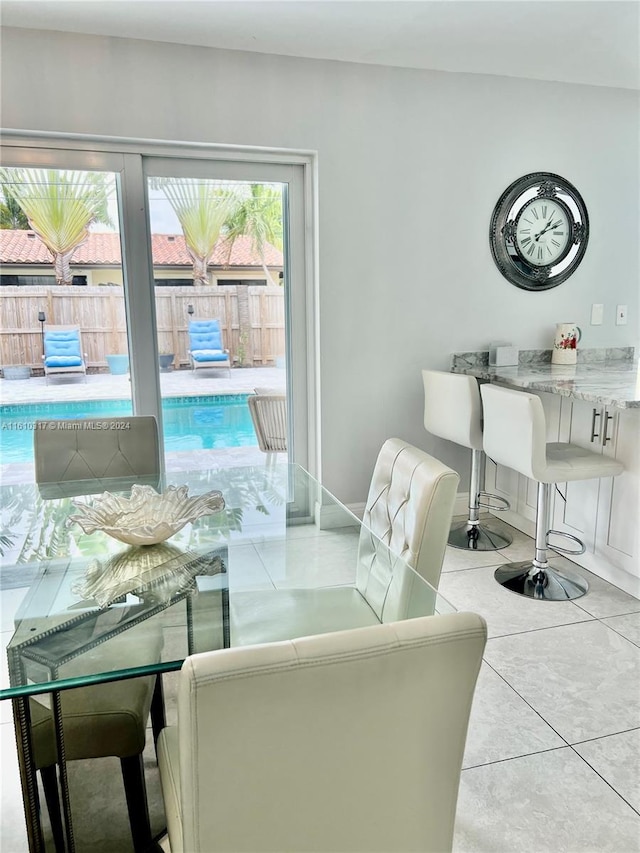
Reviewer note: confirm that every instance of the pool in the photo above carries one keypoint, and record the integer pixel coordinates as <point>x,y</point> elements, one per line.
<point>190,423</point>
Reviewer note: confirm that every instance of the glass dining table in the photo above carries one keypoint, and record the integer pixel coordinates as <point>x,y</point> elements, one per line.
<point>282,559</point>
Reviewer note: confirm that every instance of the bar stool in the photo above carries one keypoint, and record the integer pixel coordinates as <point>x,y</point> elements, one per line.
<point>452,410</point>
<point>515,436</point>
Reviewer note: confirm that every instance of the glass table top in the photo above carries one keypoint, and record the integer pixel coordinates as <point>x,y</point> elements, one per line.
<point>283,559</point>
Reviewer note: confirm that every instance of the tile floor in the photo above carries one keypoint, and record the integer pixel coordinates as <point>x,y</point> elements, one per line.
<point>552,763</point>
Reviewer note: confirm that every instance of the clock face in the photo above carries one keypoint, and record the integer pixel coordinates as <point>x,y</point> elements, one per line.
<point>542,232</point>
<point>539,231</point>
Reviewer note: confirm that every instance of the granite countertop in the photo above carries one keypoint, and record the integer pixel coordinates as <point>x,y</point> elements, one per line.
<point>609,377</point>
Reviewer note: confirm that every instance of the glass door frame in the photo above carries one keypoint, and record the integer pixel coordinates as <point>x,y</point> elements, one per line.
<point>129,159</point>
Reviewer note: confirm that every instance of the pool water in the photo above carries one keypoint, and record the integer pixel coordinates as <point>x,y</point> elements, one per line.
<point>190,423</point>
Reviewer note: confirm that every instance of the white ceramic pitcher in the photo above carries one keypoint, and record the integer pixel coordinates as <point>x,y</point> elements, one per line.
<point>565,345</point>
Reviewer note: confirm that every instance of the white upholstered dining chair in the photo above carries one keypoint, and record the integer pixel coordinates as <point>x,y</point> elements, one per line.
<point>343,742</point>
<point>104,719</point>
<point>96,448</point>
<point>408,514</point>
<point>101,721</point>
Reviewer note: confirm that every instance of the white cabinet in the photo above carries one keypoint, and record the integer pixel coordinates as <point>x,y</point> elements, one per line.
<point>576,503</point>
<point>604,514</point>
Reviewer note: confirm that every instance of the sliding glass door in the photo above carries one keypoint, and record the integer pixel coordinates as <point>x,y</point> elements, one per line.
<point>180,239</point>
<point>63,326</point>
<point>221,284</point>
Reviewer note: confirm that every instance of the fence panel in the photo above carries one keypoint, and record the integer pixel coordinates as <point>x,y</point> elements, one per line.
<point>99,312</point>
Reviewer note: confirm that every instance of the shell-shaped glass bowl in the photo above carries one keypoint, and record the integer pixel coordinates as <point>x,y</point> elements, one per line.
<point>146,517</point>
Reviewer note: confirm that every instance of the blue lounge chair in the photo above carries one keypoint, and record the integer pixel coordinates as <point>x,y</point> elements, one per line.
<point>63,351</point>
<point>205,345</point>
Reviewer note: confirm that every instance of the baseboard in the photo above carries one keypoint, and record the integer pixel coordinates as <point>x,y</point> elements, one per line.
<point>328,516</point>
<point>356,509</point>
<point>460,507</point>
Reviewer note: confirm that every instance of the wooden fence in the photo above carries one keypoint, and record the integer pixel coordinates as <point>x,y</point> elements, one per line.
<point>99,312</point>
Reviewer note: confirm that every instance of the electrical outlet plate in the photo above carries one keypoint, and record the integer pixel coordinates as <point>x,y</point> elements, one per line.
<point>621,315</point>
<point>597,313</point>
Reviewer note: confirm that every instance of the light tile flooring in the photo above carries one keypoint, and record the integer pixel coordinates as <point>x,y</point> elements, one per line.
<point>552,763</point>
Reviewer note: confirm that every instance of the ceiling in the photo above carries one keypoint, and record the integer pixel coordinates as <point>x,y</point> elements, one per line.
<point>575,41</point>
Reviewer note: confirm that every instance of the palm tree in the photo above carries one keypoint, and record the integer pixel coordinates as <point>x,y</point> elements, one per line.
<point>202,208</point>
<point>259,217</point>
<point>11,215</point>
<point>60,206</point>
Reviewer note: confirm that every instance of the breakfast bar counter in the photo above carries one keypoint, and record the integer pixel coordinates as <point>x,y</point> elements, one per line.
<point>595,404</point>
<point>612,379</point>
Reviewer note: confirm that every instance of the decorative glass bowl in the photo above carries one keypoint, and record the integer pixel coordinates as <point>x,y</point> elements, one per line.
<point>146,517</point>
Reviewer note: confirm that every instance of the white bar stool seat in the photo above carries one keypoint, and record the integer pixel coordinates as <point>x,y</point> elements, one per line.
<point>515,436</point>
<point>453,410</point>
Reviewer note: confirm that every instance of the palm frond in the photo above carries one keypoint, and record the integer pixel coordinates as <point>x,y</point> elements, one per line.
<point>60,205</point>
<point>202,208</point>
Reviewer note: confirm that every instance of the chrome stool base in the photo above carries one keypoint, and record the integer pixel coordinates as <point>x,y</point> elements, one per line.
<point>477,537</point>
<point>470,535</point>
<point>547,584</point>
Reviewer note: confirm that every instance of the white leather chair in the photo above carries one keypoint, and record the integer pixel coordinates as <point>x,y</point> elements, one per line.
<point>515,436</point>
<point>336,743</point>
<point>452,410</point>
<point>410,506</point>
<point>100,721</point>
<point>105,719</point>
<point>96,448</point>
<point>409,511</point>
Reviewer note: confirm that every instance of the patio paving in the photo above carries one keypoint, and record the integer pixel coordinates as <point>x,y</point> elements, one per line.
<point>174,383</point>
<point>177,383</point>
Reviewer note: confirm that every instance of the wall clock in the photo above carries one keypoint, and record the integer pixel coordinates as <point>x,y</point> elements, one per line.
<point>539,231</point>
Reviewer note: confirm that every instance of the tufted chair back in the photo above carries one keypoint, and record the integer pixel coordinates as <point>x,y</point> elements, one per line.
<point>92,448</point>
<point>409,509</point>
<point>62,346</point>
<point>205,335</point>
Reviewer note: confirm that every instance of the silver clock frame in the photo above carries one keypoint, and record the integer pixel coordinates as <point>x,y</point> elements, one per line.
<point>502,233</point>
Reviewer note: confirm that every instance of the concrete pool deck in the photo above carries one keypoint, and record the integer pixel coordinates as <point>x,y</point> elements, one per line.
<point>174,383</point>
<point>177,383</point>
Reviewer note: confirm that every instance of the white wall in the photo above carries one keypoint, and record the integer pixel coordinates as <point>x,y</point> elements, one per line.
<point>411,164</point>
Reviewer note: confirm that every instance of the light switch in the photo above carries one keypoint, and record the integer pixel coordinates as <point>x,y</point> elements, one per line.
<point>621,315</point>
<point>597,312</point>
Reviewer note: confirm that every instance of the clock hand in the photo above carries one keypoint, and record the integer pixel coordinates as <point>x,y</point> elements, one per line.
<point>547,227</point>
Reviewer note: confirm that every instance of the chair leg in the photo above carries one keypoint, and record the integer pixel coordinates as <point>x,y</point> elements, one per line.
<point>49,778</point>
<point>536,578</point>
<point>158,719</point>
<point>136,793</point>
<point>471,535</point>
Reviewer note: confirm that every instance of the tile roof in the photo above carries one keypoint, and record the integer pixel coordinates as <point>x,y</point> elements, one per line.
<point>103,248</point>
